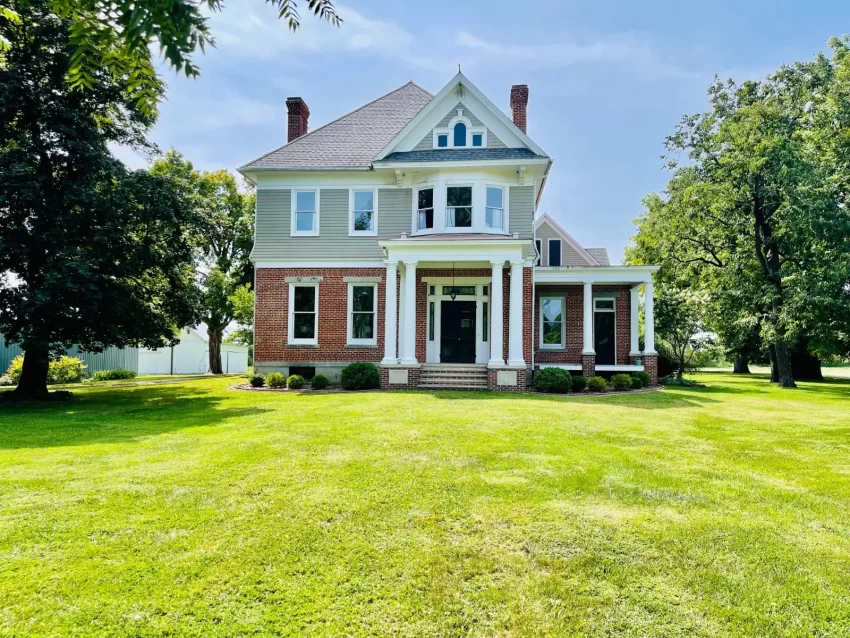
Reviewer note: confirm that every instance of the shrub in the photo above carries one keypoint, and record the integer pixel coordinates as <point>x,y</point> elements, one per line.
<point>637,384</point>
<point>597,384</point>
<point>295,382</point>
<point>360,376</point>
<point>621,382</point>
<point>66,370</point>
<point>553,380</point>
<point>257,380</point>
<point>275,380</point>
<point>113,375</point>
<point>579,383</point>
<point>675,381</point>
<point>14,369</point>
<point>6,380</point>
<point>319,382</point>
<point>645,379</point>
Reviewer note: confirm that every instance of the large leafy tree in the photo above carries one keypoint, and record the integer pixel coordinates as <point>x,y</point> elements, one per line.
<point>223,243</point>
<point>756,216</point>
<point>91,253</point>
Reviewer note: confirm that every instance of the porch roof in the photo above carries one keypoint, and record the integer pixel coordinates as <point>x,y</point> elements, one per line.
<point>594,274</point>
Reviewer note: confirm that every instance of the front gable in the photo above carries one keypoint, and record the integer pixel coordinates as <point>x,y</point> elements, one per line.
<point>445,127</point>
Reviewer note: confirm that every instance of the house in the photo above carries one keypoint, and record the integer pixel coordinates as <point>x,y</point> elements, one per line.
<point>406,233</point>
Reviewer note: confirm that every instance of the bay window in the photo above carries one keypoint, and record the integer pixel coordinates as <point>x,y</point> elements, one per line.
<point>425,209</point>
<point>494,208</point>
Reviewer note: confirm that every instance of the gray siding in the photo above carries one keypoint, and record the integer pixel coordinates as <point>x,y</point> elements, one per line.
<point>273,226</point>
<point>109,359</point>
<point>569,255</point>
<point>8,351</point>
<point>521,210</point>
<point>427,142</point>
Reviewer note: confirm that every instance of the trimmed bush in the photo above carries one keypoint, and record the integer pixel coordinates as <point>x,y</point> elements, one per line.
<point>14,369</point>
<point>621,382</point>
<point>685,383</point>
<point>552,380</point>
<point>5,381</point>
<point>360,376</point>
<point>66,370</point>
<point>597,384</point>
<point>319,382</point>
<point>579,382</point>
<point>257,380</point>
<point>637,384</point>
<point>645,379</point>
<point>113,375</point>
<point>295,382</point>
<point>275,380</point>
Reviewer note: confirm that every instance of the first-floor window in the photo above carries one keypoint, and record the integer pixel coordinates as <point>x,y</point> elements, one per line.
<point>363,310</point>
<point>552,322</point>
<point>303,314</point>
<point>494,207</point>
<point>425,209</point>
<point>459,206</point>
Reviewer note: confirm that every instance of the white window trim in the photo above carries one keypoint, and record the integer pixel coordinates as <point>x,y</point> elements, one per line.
<point>505,220</point>
<point>450,132</point>
<point>416,189</point>
<point>290,323</point>
<point>292,229</point>
<point>350,340</point>
<point>459,229</point>
<point>560,251</point>
<point>538,245</point>
<point>551,346</point>
<point>362,233</point>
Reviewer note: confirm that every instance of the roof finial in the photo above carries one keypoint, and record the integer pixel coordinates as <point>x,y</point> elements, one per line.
<point>458,67</point>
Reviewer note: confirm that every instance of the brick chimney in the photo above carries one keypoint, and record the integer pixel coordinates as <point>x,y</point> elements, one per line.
<point>519,106</point>
<point>298,115</point>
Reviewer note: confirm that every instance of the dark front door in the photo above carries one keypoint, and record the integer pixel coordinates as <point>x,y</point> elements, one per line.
<point>457,331</point>
<point>603,335</point>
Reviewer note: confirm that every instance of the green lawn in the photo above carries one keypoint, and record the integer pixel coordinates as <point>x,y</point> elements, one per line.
<point>192,509</point>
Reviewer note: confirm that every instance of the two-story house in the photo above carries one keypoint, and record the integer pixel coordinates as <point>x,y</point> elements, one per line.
<point>406,233</point>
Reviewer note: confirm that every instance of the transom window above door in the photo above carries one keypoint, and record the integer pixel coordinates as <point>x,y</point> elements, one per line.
<point>459,207</point>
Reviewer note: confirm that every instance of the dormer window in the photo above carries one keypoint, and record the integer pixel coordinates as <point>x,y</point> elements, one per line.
<point>460,134</point>
<point>477,139</point>
<point>443,141</point>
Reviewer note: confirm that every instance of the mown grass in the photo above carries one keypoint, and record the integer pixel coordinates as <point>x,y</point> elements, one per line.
<point>190,509</point>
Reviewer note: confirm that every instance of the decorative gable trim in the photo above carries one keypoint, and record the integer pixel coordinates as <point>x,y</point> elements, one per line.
<point>545,217</point>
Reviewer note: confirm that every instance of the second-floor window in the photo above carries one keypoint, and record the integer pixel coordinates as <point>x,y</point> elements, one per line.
<point>554,252</point>
<point>425,209</point>
<point>495,207</point>
<point>306,215</point>
<point>459,206</point>
<point>363,220</point>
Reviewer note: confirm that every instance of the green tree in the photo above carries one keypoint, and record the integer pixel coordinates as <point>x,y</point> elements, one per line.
<point>243,314</point>
<point>757,216</point>
<point>98,255</point>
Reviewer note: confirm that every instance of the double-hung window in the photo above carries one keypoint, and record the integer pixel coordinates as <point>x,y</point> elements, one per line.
<point>303,314</point>
<point>362,219</point>
<point>495,208</point>
<point>425,209</point>
<point>362,314</point>
<point>553,323</point>
<point>554,252</point>
<point>305,213</point>
<point>459,206</point>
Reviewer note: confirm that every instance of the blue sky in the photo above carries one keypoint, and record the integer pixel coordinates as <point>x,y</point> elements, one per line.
<point>608,80</point>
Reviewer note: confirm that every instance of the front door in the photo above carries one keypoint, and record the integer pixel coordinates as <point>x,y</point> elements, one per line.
<point>457,331</point>
<point>603,335</point>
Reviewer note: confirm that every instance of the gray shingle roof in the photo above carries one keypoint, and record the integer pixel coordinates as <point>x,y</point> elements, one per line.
<point>600,255</point>
<point>353,140</point>
<point>460,154</point>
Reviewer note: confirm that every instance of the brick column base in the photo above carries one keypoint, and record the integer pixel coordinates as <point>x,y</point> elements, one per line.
<point>398,377</point>
<point>650,364</point>
<point>588,365</point>
<point>507,379</point>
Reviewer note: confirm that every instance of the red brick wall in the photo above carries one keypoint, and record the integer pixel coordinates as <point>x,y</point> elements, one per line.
<point>575,323</point>
<point>272,316</point>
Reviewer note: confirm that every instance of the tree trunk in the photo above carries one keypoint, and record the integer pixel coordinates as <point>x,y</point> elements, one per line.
<point>215,336</point>
<point>774,369</point>
<point>33,382</point>
<point>741,365</point>
<point>783,364</point>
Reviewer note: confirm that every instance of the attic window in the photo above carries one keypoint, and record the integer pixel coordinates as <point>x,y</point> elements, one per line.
<point>477,139</point>
<point>460,134</point>
<point>442,141</point>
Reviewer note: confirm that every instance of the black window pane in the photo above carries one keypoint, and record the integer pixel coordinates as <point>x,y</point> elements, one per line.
<point>555,253</point>
<point>426,198</point>
<point>305,299</point>
<point>463,217</point>
<point>459,196</point>
<point>486,316</point>
<point>304,325</point>
<point>459,290</point>
<point>552,332</point>
<point>431,318</point>
<point>476,140</point>
<point>363,298</point>
<point>460,134</point>
<point>362,325</point>
<point>442,141</point>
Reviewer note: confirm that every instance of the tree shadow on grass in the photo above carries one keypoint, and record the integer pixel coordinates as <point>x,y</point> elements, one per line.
<point>104,416</point>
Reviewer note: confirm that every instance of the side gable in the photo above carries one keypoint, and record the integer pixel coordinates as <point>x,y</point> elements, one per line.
<point>572,253</point>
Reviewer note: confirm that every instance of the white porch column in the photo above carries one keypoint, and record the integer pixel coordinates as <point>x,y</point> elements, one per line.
<point>649,318</point>
<point>408,354</point>
<point>588,319</point>
<point>496,315</point>
<point>390,315</point>
<point>634,306</point>
<point>515,324</point>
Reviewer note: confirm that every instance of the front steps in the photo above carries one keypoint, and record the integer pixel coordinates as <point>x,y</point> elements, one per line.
<point>453,376</point>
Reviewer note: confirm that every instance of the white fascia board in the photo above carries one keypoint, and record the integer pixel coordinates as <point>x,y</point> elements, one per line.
<point>454,251</point>
<point>327,263</point>
<point>542,161</point>
<point>301,179</point>
<point>594,274</point>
